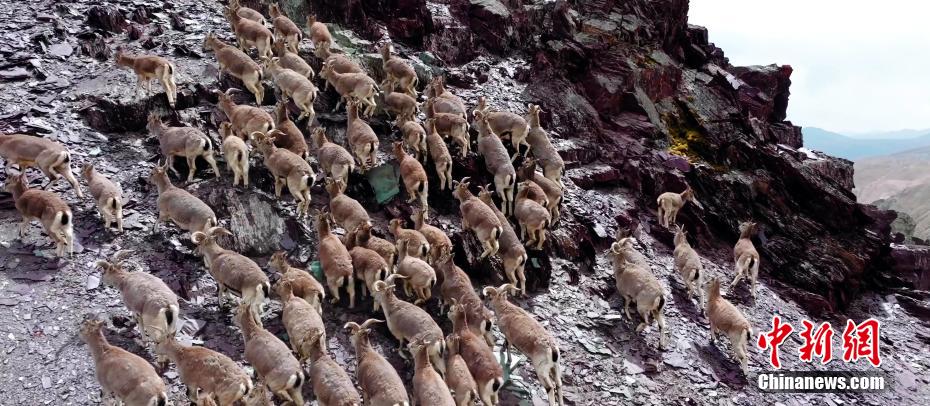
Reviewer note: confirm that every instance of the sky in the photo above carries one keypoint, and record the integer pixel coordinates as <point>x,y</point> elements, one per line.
<point>859,66</point>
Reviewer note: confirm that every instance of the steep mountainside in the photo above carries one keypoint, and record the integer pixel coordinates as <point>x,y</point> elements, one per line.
<point>856,148</point>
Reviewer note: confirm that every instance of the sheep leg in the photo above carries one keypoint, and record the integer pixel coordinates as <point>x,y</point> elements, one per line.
<point>212,161</point>
<point>661,216</point>
<point>754,277</point>
<point>626,307</point>
<point>713,332</point>
<point>278,183</point>
<point>171,166</point>
<point>663,334</point>
<point>65,170</point>
<point>334,289</point>
<point>488,249</point>
<point>541,239</point>
<point>522,277</point>
<point>191,168</point>
<point>162,218</point>
<point>350,287</point>
<point>23,226</point>
<point>400,349</point>
<point>296,396</point>
<point>738,277</point>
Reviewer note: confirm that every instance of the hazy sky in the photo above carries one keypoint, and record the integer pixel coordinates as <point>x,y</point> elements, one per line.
<point>858,65</point>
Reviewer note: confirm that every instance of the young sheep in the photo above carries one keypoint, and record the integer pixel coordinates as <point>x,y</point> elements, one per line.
<point>48,208</point>
<point>725,317</point>
<point>187,142</point>
<point>347,212</point>
<point>439,243</point>
<point>250,34</point>
<point>397,72</point>
<point>245,119</point>
<point>335,161</point>
<point>331,383</point>
<point>401,105</point>
<point>638,285</point>
<point>294,86</point>
<point>335,261</point>
<point>497,162</point>
<point>288,169</point>
<point>202,369</point>
<point>417,274</point>
<point>484,368</point>
<point>670,203</point>
<point>688,263</point>
<point>386,249</point>
<point>414,136</point>
<point>362,139</point>
<point>302,321</point>
<point>236,153</point>
<point>444,105</point>
<point>369,268</point>
<point>380,383</point>
<point>458,377</point>
<point>457,288</point>
<point>523,331</point>
<point>52,158</point>
<point>319,36</point>
<point>416,243</point>
<point>301,283</point>
<point>512,252</point>
<point>437,90</point>
<point>428,386</point>
<point>534,192</point>
<point>107,195</point>
<point>407,322</point>
<point>504,123</point>
<point>357,87</point>
<point>292,60</point>
<point>248,13</point>
<point>479,218</point>
<point>439,152</point>
<point>122,374</point>
<point>238,64</point>
<point>179,206</point>
<point>548,158</point>
<point>148,67</point>
<point>745,256</point>
<point>452,126</point>
<point>285,28</point>
<point>153,304</point>
<point>274,364</point>
<point>533,217</point>
<point>233,272</point>
<point>286,134</point>
<point>412,174</point>
<point>553,190</point>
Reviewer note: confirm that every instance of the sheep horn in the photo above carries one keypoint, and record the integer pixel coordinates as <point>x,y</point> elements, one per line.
<point>489,291</point>
<point>198,237</point>
<point>370,322</point>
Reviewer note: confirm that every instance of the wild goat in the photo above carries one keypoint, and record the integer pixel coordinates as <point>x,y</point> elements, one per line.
<point>745,256</point>
<point>357,87</point>
<point>670,203</point>
<point>301,283</point>
<point>294,86</point>
<point>445,105</point>
<point>236,153</point>
<point>250,34</point>
<point>335,161</point>
<point>48,208</point>
<point>523,331</point>
<point>451,126</point>
<point>407,322</point>
<point>534,192</point>
<point>439,152</point>
<point>414,136</point>
<point>179,206</point>
<point>533,218</point>
<point>288,169</point>
<point>52,158</point>
<point>497,162</point>
<point>346,211</point>
<point>369,268</point>
<point>485,369</point>
<point>187,142</point>
<point>458,377</point>
<point>246,12</point>
<point>335,261</point>
<point>417,274</point>
<point>122,374</point>
<point>292,60</point>
<point>417,244</point>
<point>106,194</point>
<point>380,383</point>
<point>504,123</point>
<point>397,72</point>
<point>725,317</point>
<point>457,288</point>
<point>148,67</point>
<point>286,134</point>
<point>512,252</point>
<point>479,218</point>
<point>688,263</point>
<point>553,190</point>
<point>638,285</point>
<point>438,241</point>
<point>202,369</point>
<point>412,174</point>
<point>151,302</point>
<point>362,139</point>
<point>233,272</point>
<point>238,64</point>
<point>245,119</point>
<point>548,158</point>
<point>362,237</point>
<point>401,105</point>
<point>284,28</point>
<point>428,386</point>
<point>341,63</point>
<point>302,321</point>
<point>320,37</point>
<point>437,90</point>
<point>331,383</point>
<point>274,364</point>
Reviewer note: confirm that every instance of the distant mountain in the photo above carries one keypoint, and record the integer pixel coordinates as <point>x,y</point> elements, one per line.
<point>900,182</point>
<point>896,134</point>
<point>854,148</point>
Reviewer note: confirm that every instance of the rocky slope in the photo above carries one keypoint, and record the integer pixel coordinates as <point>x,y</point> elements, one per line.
<point>638,102</point>
<point>900,182</point>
